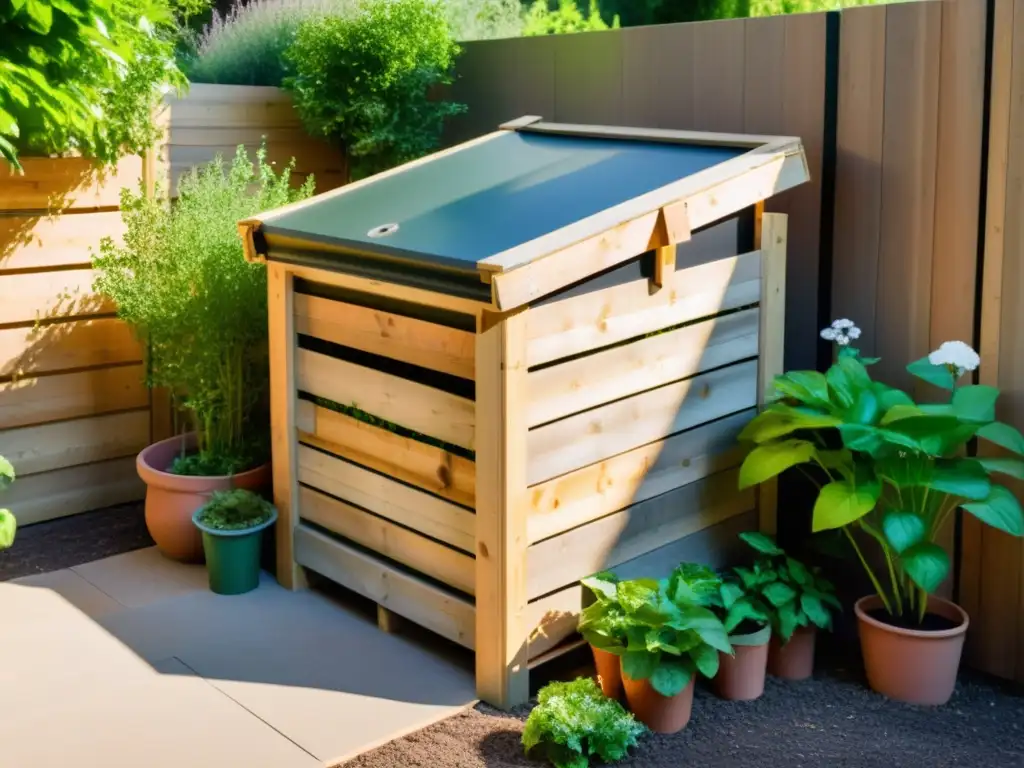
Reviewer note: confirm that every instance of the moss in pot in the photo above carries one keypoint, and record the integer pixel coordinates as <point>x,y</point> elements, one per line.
<point>232,525</point>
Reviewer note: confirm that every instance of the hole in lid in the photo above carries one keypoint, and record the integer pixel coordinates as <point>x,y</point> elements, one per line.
<point>383,230</point>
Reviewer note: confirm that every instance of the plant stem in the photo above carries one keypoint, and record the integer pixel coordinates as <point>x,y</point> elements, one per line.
<point>871,574</point>
<point>896,591</point>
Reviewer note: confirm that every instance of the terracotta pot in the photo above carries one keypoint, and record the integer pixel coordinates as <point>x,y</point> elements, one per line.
<point>171,500</point>
<point>662,714</point>
<point>912,665</point>
<point>741,676</point>
<point>609,673</point>
<point>793,660</point>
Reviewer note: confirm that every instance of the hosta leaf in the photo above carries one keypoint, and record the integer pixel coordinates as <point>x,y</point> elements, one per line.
<point>747,576</point>
<point>799,572</point>
<point>742,611</point>
<point>846,379</point>
<point>1003,435</point>
<point>975,402</point>
<point>771,459</point>
<point>927,564</point>
<point>1004,466</point>
<point>900,411</point>
<point>889,396</point>
<point>779,593</point>
<point>670,677</point>
<point>706,659</point>
<point>786,621</point>
<point>840,503</point>
<point>815,611</point>
<point>960,477</point>
<point>1001,510</point>
<point>763,544</point>
<point>865,408</point>
<point>779,420</point>
<point>808,387</point>
<point>639,665</point>
<point>716,637</point>
<point>903,529</point>
<point>730,593</point>
<point>868,439</point>
<point>938,375</point>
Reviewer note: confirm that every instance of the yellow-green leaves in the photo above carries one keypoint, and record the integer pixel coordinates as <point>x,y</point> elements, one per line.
<point>771,459</point>
<point>8,527</point>
<point>841,503</point>
<point>779,420</point>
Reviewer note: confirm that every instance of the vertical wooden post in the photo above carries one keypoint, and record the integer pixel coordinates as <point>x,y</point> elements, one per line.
<point>770,231</point>
<point>283,436</point>
<point>502,677</point>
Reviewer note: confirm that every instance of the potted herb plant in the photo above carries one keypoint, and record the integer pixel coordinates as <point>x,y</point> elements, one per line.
<point>603,625</point>
<point>891,472</point>
<point>181,282</point>
<point>799,602</point>
<point>745,616</point>
<point>8,523</point>
<point>232,525</point>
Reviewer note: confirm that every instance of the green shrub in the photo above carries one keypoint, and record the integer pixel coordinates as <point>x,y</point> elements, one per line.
<point>235,510</point>
<point>574,722</point>
<point>83,76</point>
<point>8,524</point>
<point>566,18</point>
<point>484,19</point>
<point>364,82</point>
<point>246,45</point>
<point>182,283</point>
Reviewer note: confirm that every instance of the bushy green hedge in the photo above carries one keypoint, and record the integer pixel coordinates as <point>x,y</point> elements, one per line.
<point>564,18</point>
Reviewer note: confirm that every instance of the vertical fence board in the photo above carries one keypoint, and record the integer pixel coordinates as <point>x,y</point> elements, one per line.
<point>657,87</point>
<point>588,79</point>
<point>717,74</point>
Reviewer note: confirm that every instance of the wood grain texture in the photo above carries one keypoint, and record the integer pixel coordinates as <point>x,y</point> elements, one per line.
<point>595,435</point>
<point>64,346</point>
<point>38,243</point>
<point>405,459</point>
<point>415,599</point>
<point>421,343</point>
<point>56,184</point>
<point>37,400</point>
<point>30,297</point>
<point>423,409</point>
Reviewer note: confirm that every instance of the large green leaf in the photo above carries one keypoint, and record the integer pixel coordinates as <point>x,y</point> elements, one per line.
<point>1001,510</point>
<point>637,594</point>
<point>938,375</point>
<point>927,564</point>
<point>1003,435</point>
<point>6,473</point>
<point>900,411</point>
<point>976,402</point>
<point>8,527</point>
<point>840,503</point>
<point>41,14</point>
<point>815,610</point>
<point>903,529</point>
<point>639,665</point>
<point>706,659</point>
<point>731,592</point>
<point>693,584</point>
<point>934,434</point>
<point>809,387</point>
<point>670,677</point>
<point>787,619</point>
<point>960,477</point>
<point>779,420</point>
<point>847,378</point>
<point>889,396</point>
<point>763,544</point>
<point>798,571</point>
<point>779,593</point>
<point>716,637</point>
<point>603,588</point>
<point>742,611</point>
<point>868,439</point>
<point>865,408</point>
<point>771,459</point>
<point>1004,466</point>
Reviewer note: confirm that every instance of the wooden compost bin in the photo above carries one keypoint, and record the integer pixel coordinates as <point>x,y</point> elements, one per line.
<point>557,332</point>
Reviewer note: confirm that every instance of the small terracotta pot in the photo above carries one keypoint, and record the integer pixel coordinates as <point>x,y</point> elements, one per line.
<point>911,665</point>
<point>662,714</point>
<point>171,500</point>
<point>793,660</point>
<point>609,673</point>
<point>741,676</point>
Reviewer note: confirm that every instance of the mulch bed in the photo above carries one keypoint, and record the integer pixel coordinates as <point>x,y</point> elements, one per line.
<point>831,721</point>
<point>75,540</point>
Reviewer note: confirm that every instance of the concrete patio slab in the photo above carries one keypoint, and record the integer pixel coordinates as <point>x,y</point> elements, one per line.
<point>87,598</point>
<point>142,577</point>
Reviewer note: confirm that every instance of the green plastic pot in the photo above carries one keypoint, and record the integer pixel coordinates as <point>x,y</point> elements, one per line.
<point>233,557</point>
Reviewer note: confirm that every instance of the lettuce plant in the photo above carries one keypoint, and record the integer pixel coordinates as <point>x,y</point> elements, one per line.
<point>574,722</point>
<point>8,525</point>
<point>893,470</point>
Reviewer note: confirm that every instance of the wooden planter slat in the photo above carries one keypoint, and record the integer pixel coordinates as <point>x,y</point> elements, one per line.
<point>600,319</point>
<point>410,461</point>
<point>407,506</point>
<point>427,345</point>
<point>66,183</point>
<point>638,529</point>
<point>567,388</point>
<point>64,346</point>
<point>423,409</point>
<point>32,242</point>
<point>81,441</point>
<point>594,435</point>
<point>446,614</point>
<point>597,490</point>
<point>393,541</point>
<point>33,296</point>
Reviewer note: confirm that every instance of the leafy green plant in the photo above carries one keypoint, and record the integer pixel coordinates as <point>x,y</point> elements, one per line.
<point>235,510</point>
<point>787,592</point>
<point>83,76</point>
<point>574,722</point>
<point>8,523</point>
<point>887,467</point>
<point>565,18</point>
<point>484,19</point>
<point>365,81</point>
<point>182,283</point>
<point>663,630</point>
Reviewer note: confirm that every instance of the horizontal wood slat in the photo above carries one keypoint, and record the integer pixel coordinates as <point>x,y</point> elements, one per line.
<point>418,342</point>
<point>66,183</point>
<point>403,458</point>
<point>448,615</point>
<point>383,496</point>
<point>392,541</point>
<point>585,382</point>
<point>33,296</point>
<point>29,242</point>
<point>595,320</point>
<point>594,435</point>
<point>81,441</point>
<point>634,531</point>
<point>643,473</point>
<point>423,409</point>
<point>63,492</point>
<point>61,346</point>
<point>43,399</point>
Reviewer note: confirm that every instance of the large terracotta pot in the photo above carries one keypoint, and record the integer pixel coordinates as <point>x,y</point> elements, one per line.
<point>171,500</point>
<point>741,675</point>
<point>609,673</point>
<point>662,714</point>
<point>912,665</point>
<point>793,660</point>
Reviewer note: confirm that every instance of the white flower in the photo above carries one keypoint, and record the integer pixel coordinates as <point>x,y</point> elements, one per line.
<point>854,332</point>
<point>842,341</point>
<point>842,332</point>
<point>829,334</point>
<point>843,323</point>
<point>957,356</point>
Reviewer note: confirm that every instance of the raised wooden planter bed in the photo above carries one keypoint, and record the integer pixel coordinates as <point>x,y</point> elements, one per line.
<point>557,347</point>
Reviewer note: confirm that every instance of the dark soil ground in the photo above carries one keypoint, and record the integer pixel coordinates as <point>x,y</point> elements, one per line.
<point>75,540</point>
<point>831,721</point>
